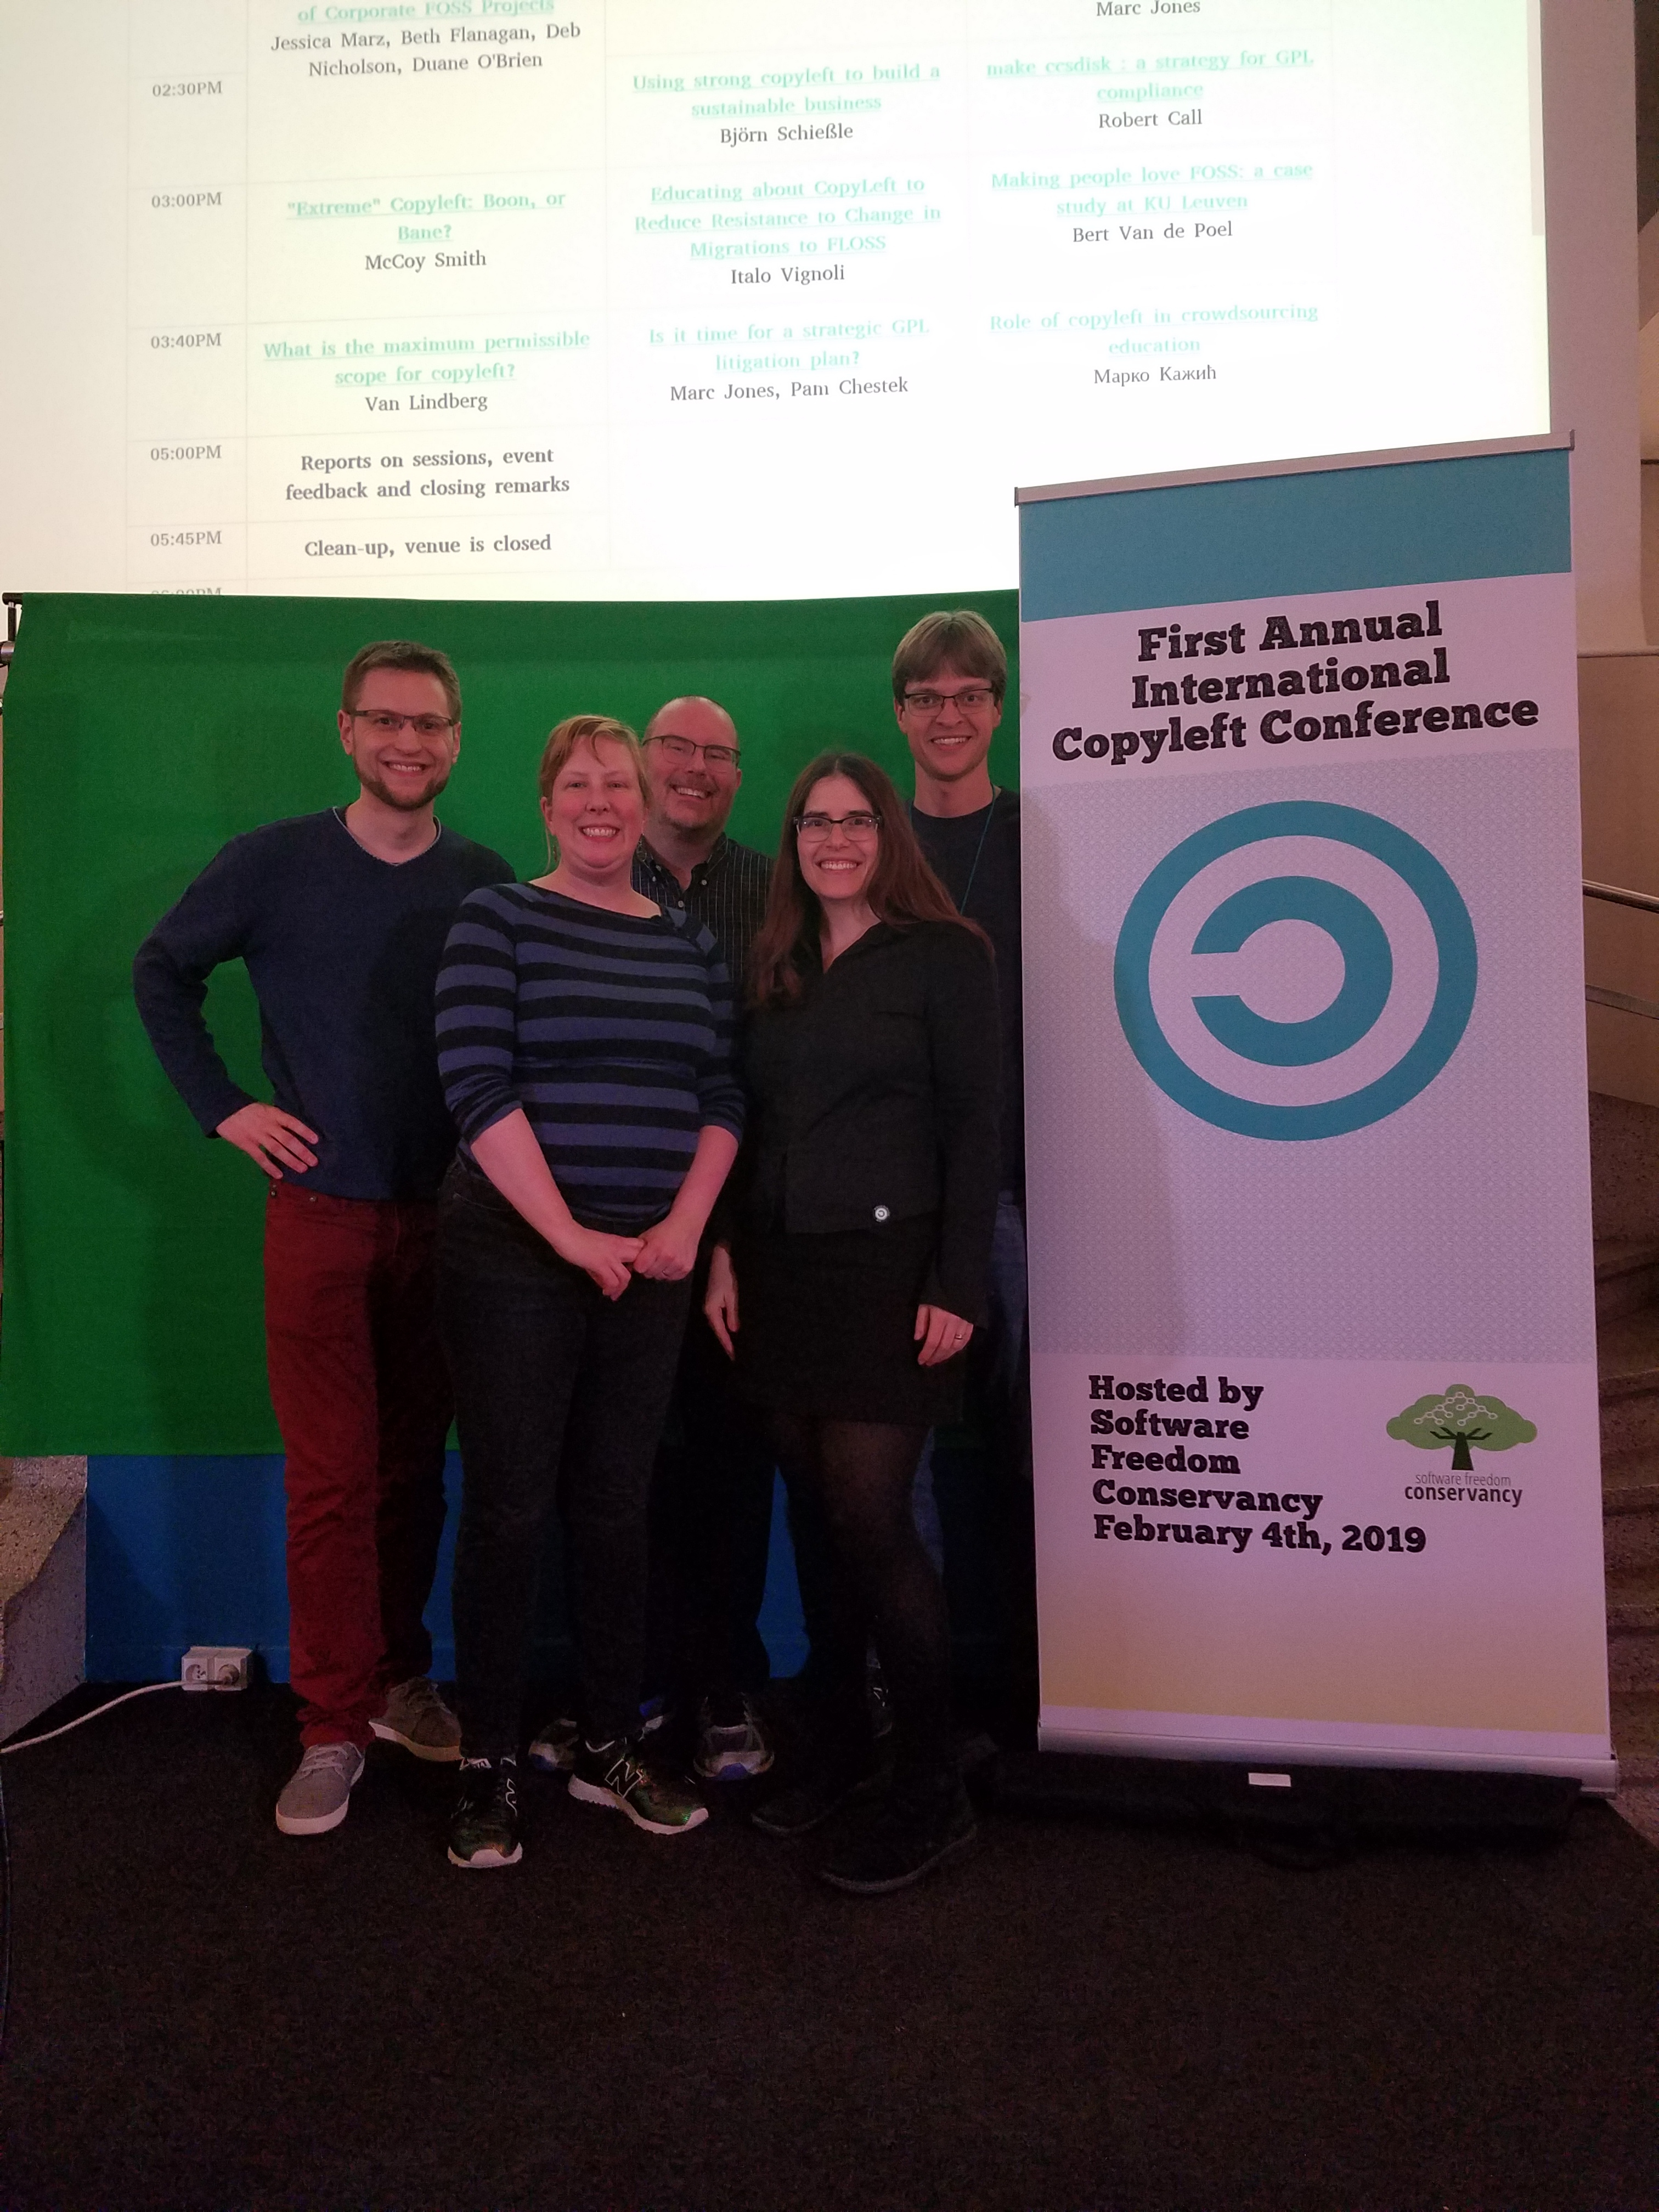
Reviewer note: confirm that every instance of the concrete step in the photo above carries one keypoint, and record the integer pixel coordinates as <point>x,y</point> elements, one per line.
<point>1627,1277</point>
<point>1633,1629</point>
<point>1632,1663</point>
<point>1628,1359</point>
<point>1633,1602</point>
<point>43,1585</point>
<point>1630,1480</point>
<point>1630,1543</point>
<point>1636,1737</point>
<point>1630,1509</point>
<point>1624,1167</point>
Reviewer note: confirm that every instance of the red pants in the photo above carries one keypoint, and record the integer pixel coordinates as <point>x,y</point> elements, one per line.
<point>362,1400</point>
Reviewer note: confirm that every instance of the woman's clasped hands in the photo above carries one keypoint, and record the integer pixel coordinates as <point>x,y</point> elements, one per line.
<point>608,1261</point>
<point>665,1253</point>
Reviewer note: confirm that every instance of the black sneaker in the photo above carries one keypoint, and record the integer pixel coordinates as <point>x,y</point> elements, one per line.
<point>484,1830</point>
<point>618,1775</point>
<point>905,1838</point>
<point>808,1802</point>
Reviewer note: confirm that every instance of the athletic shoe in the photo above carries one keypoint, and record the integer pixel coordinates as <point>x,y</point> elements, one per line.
<point>416,1717</point>
<point>904,1839</point>
<point>878,1698</point>
<point>317,1793</point>
<point>554,1751</point>
<point>484,1830</point>
<point>733,1748</point>
<point>822,1790</point>
<point>616,1775</point>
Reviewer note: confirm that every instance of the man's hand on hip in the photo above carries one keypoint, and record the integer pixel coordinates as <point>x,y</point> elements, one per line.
<point>273,1140</point>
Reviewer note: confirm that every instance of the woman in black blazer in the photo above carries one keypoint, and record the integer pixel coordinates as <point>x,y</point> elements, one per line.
<point>857,1267</point>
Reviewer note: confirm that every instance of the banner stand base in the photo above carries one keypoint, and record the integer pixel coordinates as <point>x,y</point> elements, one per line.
<point>1317,1818</point>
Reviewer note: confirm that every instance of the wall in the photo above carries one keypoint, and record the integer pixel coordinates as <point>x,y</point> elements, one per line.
<point>1618,717</point>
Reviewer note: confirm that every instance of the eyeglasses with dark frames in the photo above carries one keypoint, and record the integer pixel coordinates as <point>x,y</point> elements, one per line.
<point>683,749</point>
<point>972,699</point>
<point>856,824</point>
<point>384,725</point>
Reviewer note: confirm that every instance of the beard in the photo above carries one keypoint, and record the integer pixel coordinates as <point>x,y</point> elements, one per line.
<point>400,796</point>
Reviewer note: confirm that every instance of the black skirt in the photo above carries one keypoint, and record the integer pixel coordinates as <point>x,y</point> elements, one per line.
<point>828,1325</point>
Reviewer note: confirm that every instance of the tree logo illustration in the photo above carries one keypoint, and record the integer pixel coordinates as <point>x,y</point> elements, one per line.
<point>1460,1420</point>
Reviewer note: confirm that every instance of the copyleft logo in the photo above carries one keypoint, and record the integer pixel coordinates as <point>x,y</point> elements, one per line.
<point>1295,970</point>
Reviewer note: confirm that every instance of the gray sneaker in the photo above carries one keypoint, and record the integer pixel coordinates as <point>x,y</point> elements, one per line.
<point>318,1791</point>
<point>417,1717</point>
<point>554,1750</point>
<point>732,1749</point>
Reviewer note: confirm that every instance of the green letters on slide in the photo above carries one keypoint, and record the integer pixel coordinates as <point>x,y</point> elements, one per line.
<point>141,734</point>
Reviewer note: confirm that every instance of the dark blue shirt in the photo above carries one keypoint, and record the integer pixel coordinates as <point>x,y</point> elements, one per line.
<point>342,951</point>
<point>612,1031</point>
<point>976,858</point>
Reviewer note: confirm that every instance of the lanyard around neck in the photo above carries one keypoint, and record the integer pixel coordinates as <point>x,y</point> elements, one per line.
<point>985,831</point>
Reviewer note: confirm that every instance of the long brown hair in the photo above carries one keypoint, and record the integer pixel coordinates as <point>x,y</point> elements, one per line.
<point>904,889</point>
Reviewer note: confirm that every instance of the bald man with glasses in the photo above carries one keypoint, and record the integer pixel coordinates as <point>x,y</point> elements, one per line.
<point>712,1507</point>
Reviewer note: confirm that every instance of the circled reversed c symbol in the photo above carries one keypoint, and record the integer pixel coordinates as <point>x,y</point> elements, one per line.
<point>1368,970</point>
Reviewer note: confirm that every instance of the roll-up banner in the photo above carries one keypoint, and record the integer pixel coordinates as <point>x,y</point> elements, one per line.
<point>1312,1310</point>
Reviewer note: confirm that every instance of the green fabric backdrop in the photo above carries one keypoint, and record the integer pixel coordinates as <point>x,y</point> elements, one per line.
<point>141,734</point>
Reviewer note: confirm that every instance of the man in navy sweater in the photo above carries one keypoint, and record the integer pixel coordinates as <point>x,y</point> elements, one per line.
<point>341,919</point>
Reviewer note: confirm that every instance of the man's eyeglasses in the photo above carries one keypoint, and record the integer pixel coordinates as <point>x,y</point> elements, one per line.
<point>819,825</point>
<point>682,748</point>
<point>973,699</point>
<point>387,725</point>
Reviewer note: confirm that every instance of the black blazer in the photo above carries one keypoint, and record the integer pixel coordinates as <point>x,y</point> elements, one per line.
<point>875,1098</point>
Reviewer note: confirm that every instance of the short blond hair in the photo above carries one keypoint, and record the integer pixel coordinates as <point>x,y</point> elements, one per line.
<point>588,729</point>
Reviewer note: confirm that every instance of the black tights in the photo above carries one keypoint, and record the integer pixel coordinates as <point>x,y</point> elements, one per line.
<point>863,1570</point>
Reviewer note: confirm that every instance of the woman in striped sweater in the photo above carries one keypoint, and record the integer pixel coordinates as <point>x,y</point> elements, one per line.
<point>585,1044</point>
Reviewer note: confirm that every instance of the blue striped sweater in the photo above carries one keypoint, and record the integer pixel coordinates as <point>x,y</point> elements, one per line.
<point>613,1031</point>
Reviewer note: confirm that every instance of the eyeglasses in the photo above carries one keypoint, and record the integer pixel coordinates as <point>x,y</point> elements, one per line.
<point>682,748</point>
<point>387,725</point>
<point>972,701</point>
<point>820,825</point>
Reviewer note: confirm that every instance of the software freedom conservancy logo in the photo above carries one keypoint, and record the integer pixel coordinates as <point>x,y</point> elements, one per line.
<point>1295,970</point>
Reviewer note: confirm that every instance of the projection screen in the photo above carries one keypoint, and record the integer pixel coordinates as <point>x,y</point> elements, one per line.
<point>679,298</point>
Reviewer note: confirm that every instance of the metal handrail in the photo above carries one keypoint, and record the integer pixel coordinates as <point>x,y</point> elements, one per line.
<point>1622,1002</point>
<point>1616,895</point>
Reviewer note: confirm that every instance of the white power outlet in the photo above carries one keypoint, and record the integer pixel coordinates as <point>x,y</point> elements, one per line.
<point>215,1666</point>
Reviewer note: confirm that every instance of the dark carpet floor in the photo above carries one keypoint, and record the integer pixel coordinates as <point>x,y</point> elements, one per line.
<point>206,2014</point>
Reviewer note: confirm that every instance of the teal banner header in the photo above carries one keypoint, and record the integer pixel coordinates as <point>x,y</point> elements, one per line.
<point>1271,537</point>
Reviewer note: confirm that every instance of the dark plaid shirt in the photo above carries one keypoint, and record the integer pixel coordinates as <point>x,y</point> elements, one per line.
<point>727,894</point>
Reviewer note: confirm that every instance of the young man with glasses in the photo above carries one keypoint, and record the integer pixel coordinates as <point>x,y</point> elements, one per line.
<point>714,1490</point>
<point>950,674</point>
<point>341,919</point>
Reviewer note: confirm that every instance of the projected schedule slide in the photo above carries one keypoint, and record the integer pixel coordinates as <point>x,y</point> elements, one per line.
<point>557,297</point>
